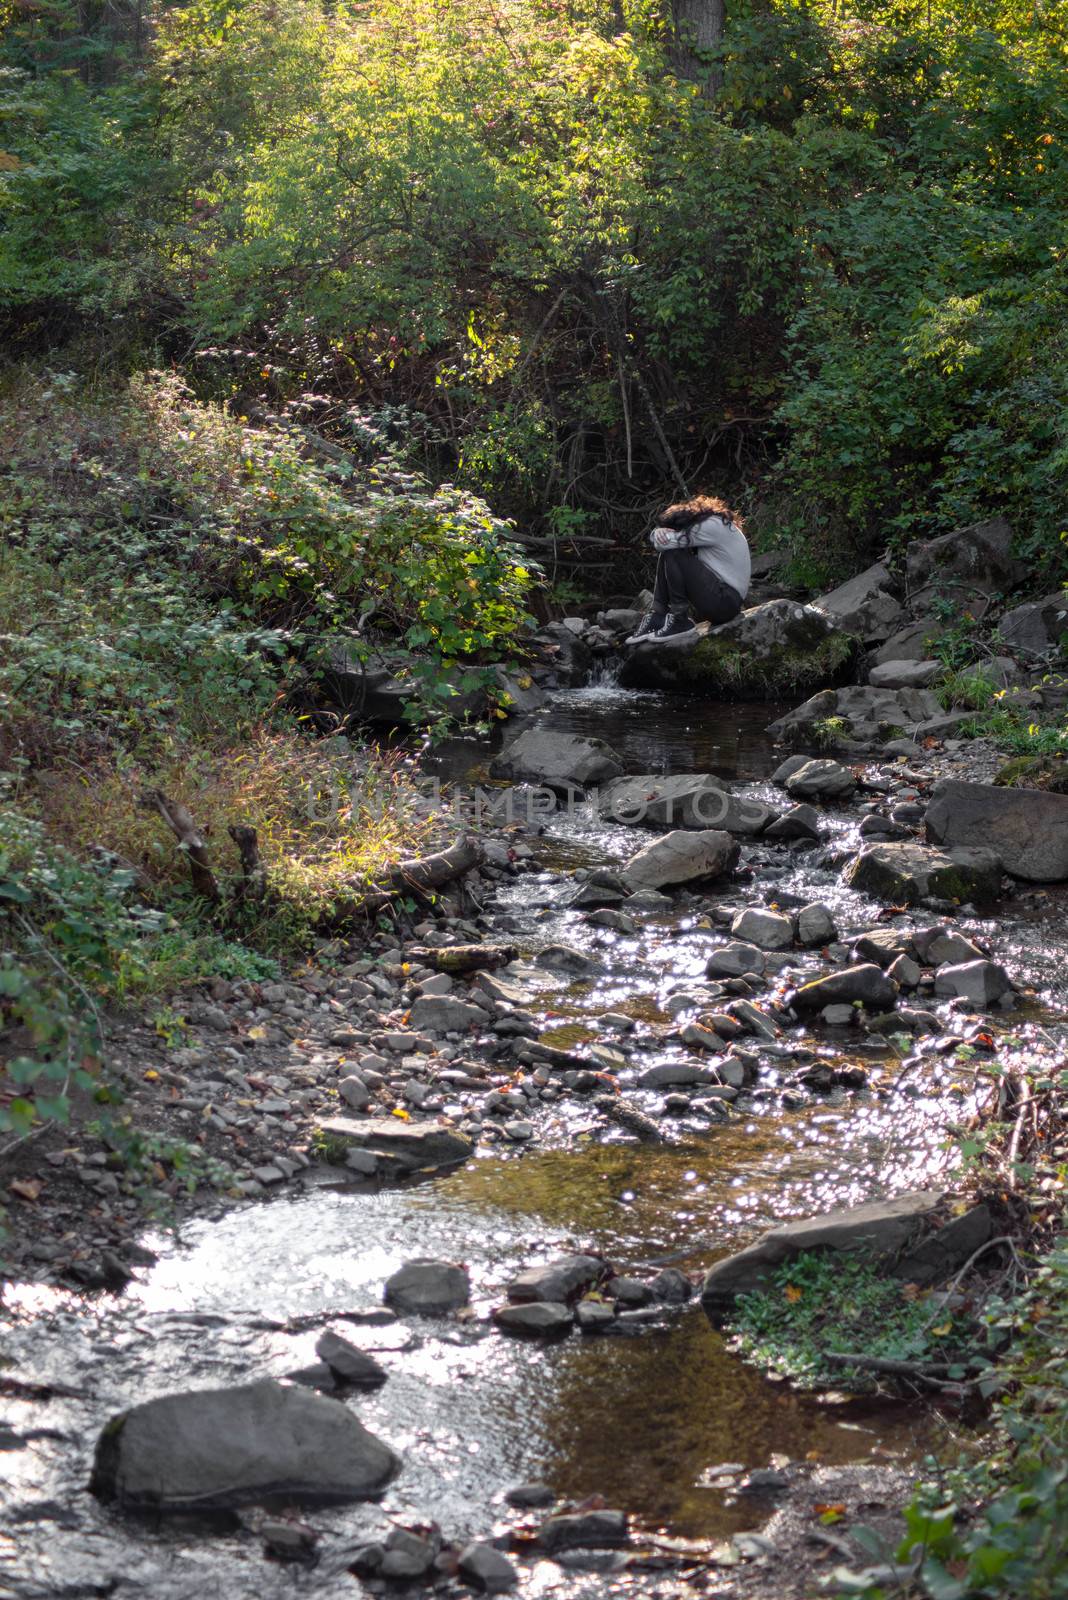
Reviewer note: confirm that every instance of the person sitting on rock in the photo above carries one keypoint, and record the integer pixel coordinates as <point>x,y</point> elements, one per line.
<point>703,571</point>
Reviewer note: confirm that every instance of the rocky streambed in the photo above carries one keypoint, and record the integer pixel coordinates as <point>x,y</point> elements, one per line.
<point>642,1079</point>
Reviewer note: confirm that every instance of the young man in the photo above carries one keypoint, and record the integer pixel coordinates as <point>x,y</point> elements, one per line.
<point>703,571</point>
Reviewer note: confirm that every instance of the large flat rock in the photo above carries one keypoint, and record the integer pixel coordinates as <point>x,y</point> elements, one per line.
<point>864,605</point>
<point>969,564</point>
<point>411,1144</point>
<point>882,1229</point>
<point>214,1449</point>
<point>902,874</point>
<point>561,761</point>
<point>863,713</point>
<point>765,653</point>
<point>1028,828</point>
<point>694,800</point>
<point>682,857</point>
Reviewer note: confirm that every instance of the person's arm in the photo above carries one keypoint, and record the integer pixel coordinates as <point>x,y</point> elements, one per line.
<point>668,539</point>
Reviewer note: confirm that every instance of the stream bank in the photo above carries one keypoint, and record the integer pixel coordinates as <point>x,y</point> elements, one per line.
<point>650,1417</point>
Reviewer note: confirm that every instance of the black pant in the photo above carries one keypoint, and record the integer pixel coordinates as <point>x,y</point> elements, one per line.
<point>684,583</point>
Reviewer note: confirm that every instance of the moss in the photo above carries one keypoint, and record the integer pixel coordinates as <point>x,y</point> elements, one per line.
<point>1035,772</point>
<point>727,667</point>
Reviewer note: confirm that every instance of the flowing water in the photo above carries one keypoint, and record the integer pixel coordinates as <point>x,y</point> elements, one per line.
<point>641,1420</point>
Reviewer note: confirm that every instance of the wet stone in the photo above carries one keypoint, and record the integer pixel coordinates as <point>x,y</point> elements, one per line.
<point>734,960</point>
<point>348,1362</point>
<point>768,930</point>
<point>561,1279</point>
<point>530,1496</point>
<point>428,1288</point>
<point>487,1568</point>
<point>583,1530</point>
<point>594,1316</point>
<point>537,1319</point>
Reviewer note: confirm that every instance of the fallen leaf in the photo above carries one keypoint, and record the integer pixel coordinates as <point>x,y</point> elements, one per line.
<point>829,1512</point>
<point>25,1188</point>
<point>793,1293</point>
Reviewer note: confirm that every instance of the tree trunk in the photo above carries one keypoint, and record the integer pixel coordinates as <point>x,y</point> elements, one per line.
<point>698,30</point>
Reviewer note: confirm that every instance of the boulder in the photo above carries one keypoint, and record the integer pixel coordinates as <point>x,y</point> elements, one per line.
<point>428,1288</point>
<point>488,1568</point>
<point>348,1362</point>
<point>410,1145</point>
<point>578,1530</point>
<point>815,925</point>
<point>884,945</point>
<point>905,674</point>
<point>441,1013</point>
<point>214,1449</point>
<point>768,930</point>
<point>676,1074</point>
<point>695,801</point>
<point>536,1319</point>
<point>682,857</point>
<point>867,985</point>
<point>981,983</point>
<point>880,1229</point>
<point>734,960</point>
<point>562,761</point>
<point>563,958</point>
<point>1028,828</point>
<point>864,606</point>
<point>1036,628</point>
<point>762,654</point>
<point>902,874</point>
<point>800,822</point>
<point>565,652</point>
<point>558,1280</point>
<point>912,643</point>
<point>962,567</point>
<point>860,713</point>
<point>943,947</point>
<point>821,779</point>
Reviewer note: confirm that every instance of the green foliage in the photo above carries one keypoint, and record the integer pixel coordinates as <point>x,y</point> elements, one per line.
<point>68,938</point>
<point>821,1302</point>
<point>1014,1542</point>
<point>828,732</point>
<point>971,689</point>
<point>1012,733</point>
<point>148,1158</point>
<point>837,285</point>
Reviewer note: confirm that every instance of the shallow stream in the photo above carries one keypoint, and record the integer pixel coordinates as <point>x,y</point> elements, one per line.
<point>641,1419</point>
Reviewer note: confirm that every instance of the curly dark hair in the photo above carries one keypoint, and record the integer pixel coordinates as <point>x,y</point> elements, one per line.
<point>685,513</point>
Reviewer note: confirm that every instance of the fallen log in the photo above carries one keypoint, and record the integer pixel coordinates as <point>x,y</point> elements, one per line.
<point>457,958</point>
<point>421,878</point>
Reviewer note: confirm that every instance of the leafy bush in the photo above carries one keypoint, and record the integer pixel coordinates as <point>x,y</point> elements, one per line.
<point>69,938</point>
<point>1003,1534</point>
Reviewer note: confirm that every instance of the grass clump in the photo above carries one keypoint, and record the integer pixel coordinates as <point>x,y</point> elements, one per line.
<point>967,688</point>
<point>824,1302</point>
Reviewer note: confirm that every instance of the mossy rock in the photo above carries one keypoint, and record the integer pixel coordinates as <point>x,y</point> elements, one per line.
<point>1035,772</point>
<point>766,653</point>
